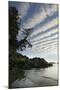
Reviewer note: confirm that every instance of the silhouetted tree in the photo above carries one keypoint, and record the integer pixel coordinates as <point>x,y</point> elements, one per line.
<point>14,44</point>
<point>24,42</point>
<point>13,30</point>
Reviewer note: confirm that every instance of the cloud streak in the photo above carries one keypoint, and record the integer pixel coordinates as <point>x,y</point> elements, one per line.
<point>47,43</point>
<point>23,9</point>
<point>50,8</point>
<point>51,24</point>
<point>46,36</point>
<point>44,41</point>
<point>39,16</point>
<point>45,32</point>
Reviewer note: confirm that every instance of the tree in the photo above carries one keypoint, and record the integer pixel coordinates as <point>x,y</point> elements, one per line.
<point>14,44</point>
<point>13,30</point>
<point>24,42</point>
<point>13,27</point>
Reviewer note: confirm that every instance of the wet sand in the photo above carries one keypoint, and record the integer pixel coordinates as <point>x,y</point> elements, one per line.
<point>38,78</point>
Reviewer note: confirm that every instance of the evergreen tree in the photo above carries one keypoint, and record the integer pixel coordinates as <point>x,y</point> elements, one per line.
<point>14,44</point>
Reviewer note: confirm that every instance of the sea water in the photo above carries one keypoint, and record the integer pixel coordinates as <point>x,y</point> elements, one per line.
<point>38,77</point>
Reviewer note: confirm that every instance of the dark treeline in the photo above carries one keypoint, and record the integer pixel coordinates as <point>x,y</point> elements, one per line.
<point>23,62</point>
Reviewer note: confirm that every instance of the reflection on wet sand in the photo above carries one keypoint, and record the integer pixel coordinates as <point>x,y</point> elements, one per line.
<point>40,77</point>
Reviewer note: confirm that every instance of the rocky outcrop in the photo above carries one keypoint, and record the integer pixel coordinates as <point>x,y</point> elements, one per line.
<point>24,62</point>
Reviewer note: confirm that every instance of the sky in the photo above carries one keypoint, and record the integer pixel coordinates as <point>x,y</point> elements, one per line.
<point>43,19</point>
